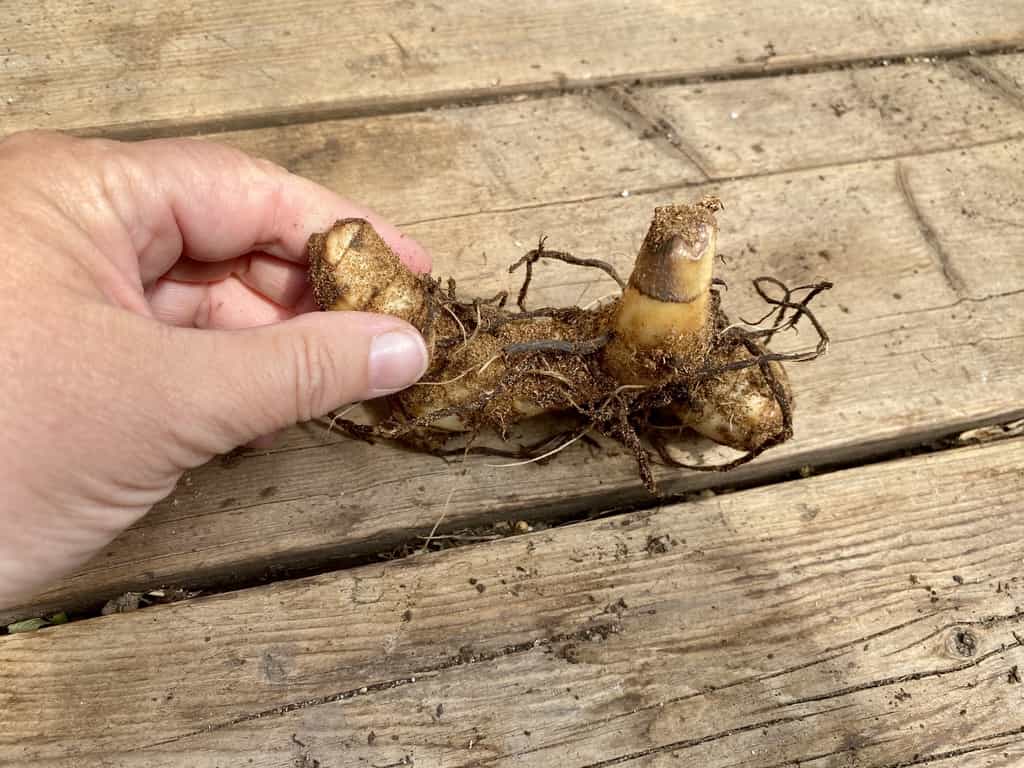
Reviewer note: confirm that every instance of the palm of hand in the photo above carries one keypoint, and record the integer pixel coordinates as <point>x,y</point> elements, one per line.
<point>147,292</point>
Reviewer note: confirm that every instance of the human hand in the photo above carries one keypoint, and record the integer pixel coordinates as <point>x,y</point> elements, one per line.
<point>154,303</point>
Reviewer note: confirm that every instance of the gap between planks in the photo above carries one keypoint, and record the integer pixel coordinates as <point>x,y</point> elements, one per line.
<point>314,113</point>
<point>970,433</point>
<point>180,62</point>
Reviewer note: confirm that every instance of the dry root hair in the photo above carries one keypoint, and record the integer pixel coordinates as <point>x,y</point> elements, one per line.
<point>660,357</point>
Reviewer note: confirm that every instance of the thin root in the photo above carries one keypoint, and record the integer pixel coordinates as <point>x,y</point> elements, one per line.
<point>543,456</point>
<point>621,412</point>
<point>540,252</point>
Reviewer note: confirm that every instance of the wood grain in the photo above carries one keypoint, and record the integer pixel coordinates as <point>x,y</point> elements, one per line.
<point>1003,75</point>
<point>544,150</point>
<point>924,344</point>
<point>168,66</point>
<point>743,127</point>
<point>870,617</point>
<point>453,162</point>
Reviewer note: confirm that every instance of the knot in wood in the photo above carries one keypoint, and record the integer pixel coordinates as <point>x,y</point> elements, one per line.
<point>962,642</point>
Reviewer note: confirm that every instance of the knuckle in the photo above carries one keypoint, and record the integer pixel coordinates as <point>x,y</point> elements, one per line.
<point>57,157</point>
<point>54,147</point>
<point>268,167</point>
<point>313,377</point>
<point>35,153</point>
<point>33,139</point>
<point>206,313</point>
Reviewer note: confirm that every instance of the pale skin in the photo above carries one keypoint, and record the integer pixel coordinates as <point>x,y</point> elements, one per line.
<point>155,313</point>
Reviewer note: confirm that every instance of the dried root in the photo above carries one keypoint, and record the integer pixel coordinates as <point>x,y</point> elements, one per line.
<point>661,357</point>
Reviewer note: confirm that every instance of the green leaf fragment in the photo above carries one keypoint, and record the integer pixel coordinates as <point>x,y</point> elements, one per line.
<point>28,625</point>
<point>31,625</point>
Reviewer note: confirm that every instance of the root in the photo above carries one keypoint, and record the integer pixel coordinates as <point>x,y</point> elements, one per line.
<point>581,348</point>
<point>444,509</point>
<point>492,367</point>
<point>538,253</point>
<point>543,456</point>
<point>623,413</point>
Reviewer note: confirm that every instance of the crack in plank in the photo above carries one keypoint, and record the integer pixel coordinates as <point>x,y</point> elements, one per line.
<point>917,760</point>
<point>592,724</point>
<point>961,751</point>
<point>953,305</point>
<point>696,742</point>
<point>972,343</point>
<point>986,623</point>
<point>657,189</point>
<point>953,278</point>
<point>898,679</point>
<point>617,102</point>
<point>992,80</point>
<point>797,762</point>
<point>587,633</point>
<point>887,631</point>
<point>402,51</point>
<point>842,649</point>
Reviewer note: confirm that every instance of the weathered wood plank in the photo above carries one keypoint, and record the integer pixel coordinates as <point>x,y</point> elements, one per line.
<point>79,65</point>
<point>915,355</point>
<point>1004,75</point>
<point>871,616</point>
<point>574,147</point>
<point>774,124</point>
<point>450,162</point>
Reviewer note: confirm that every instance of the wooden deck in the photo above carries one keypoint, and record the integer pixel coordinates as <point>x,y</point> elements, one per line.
<point>854,598</point>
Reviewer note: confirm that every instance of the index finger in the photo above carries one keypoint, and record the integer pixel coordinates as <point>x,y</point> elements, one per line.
<point>211,202</point>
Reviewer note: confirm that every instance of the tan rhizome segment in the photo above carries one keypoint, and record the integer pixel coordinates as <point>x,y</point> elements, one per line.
<point>661,352</point>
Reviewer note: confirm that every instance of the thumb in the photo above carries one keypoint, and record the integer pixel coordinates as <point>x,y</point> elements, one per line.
<point>248,383</point>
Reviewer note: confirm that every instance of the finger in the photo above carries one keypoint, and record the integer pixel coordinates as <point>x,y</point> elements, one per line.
<point>282,282</point>
<point>186,270</point>
<point>212,202</point>
<point>228,304</point>
<point>307,303</point>
<point>241,385</point>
